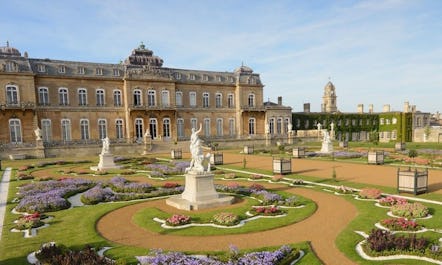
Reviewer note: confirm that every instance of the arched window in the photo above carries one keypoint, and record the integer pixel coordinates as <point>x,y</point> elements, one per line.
<point>66,130</point>
<point>232,127</point>
<point>43,96</point>
<point>205,100</point>
<point>117,98</point>
<point>218,100</point>
<point>207,127</point>
<point>166,128</point>
<point>230,101</point>
<point>151,98</point>
<point>165,98</point>
<point>279,126</point>
<point>102,128</point>
<point>153,127</point>
<point>139,132</point>
<point>272,126</point>
<point>84,129</point>
<point>137,98</point>
<point>179,98</point>
<point>192,99</point>
<point>251,100</point>
<point>82,97</point>
<point>219,127</point>
<point>194,123</point>
<point>180,127</point>
<point>252,123</point>
<point>15,131</point>
<point>99,94</point>
<point>286,125</point>
<point>46,129</point>
<point>119,132</point>
<point>63,98</point>
<point>12,97</point>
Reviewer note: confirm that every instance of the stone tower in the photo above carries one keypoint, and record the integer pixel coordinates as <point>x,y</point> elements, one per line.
<point>329,99</point>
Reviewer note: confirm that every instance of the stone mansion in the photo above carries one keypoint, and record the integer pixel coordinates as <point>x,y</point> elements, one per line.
<point>80,103</point>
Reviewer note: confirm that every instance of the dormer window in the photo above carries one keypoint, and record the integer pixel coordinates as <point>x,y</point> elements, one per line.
<point>192,77</point>
<point>11,67</point>
<point>62,69</point>
<point>219,78</point>
<point>99,71</point>
<point>231,79</point>
<point>178,75</point>
<point>80,70</point>
<point>116,72</point>
<point>205,78</point>
<point>41,68</point>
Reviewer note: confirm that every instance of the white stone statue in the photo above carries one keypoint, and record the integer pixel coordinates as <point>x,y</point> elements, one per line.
<point>289,128</point>
<point>319,125</point>
<point>106,144</point>
<point>327,145</point>
<point>196,150</point>
<point>332,126</point>
<point>37,133</point>
<point>147,135</point>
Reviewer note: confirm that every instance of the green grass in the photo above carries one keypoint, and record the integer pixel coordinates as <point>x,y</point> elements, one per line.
<point>143,218</point>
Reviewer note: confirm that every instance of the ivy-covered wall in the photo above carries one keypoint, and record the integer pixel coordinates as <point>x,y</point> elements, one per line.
<point>399,121</point>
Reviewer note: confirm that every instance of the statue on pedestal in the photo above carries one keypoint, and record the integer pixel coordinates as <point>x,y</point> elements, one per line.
<point>106,144</point>
<point>37,133</point>
<point>196,150</point>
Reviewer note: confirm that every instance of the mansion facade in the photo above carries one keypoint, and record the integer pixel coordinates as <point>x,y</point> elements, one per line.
<point>82,102</point>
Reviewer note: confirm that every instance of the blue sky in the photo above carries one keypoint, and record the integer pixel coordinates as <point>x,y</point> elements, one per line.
<point>375,52</point>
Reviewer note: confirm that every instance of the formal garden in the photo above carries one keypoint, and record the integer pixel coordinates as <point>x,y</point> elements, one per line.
<point>60,210</point>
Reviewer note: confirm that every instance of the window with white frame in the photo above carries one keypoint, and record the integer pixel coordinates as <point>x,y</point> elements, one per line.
<point>230,101</point>
<point>381,121</point>
<point>116,72</point>
<point>205,78</point>
<point>180,127</point>
<point>139,132</point>
<point>46,130</point>
<point>117,98</point>
<point>192,77</point>
<point>84,129</point>
<point>179,98</point>
<point>61,69</point>
<point>102,128</point>
<point>165,98</point>
<point>218,100</point>
<point>82,96</point>
<point>66,130</point>
<point>99,94</point>
<point>12,97</point>
<point>272,126</point>
<point>137,98</point>
<point>219,127</point>
<point>207,127</point>
<point>394,121</point>
<point>394,134</point>
<point>219,78</point>
<point>251,100</point>
<point>41,68</point>
<point>63,98</point>
<point>252,123</point>
<point>166,128</point>
<point>11,67</point>
<point>99,71</point>
<point>194,123</point>
<point>192,99</point>
<point>119,132</point>
<point>178,75</point>
<point>205,100</point>
<point>153,127</point>
<point>43,96</point>
<point>286,125</point>
<point>232,127</point>
<point>80,70</point>
<point>387,121</point>
<point>151,98</point>
<point>231,79</point>
<point>15,131</point>
<point>279,126</point>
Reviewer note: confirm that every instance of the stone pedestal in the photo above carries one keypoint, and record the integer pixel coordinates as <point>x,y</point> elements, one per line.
<point>106,162</point>
<point>40,149</point>
<point>199,193</point>
<point>327,148</point>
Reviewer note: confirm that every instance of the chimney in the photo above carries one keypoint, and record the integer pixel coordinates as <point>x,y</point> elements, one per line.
<point>406,106</point>
<point>360,108</point>
<point>370,108</point>
<point>279,101</point>
<point>386,108</point>
<point>307,107</point>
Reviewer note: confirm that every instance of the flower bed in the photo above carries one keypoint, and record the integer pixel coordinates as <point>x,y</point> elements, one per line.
<point>345,190</point>
<point>169,185</point>
<point>391,200</point>
<point>119,184</point>
<point>173,168</point>
<point>283,255</point>
<point>256,187</point>
<point>256,176</point>
<point>224,218</point>
<point>178,219</point>
<point>266,211</point>
<point>369,193</point>
<point>400,224</point>
<point>410,210</point>
<point>47,196</point>
<point>97,194</point>
<point>60,255</point>
<point>29,221</point>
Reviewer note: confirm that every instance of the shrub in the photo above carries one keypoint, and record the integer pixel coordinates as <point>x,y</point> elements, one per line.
<point>97,194</point>
<point>178,219</point>
<point>28,221</point>
<point>229,176</point>
<point>392,200</point>
<point>23,176</point>
<point>224,218</point>
<point>400,224</point>
<point>267,198</point>
<point>256,176</point>
<point>120,184</point>
<point>256,187</point>
<point>60,255</point>
<point>369,193</point>
<point>410,210</point>
<point>266,211</point>
<point>169,185</point>
<point>380,240</point>
<point>344,190</point>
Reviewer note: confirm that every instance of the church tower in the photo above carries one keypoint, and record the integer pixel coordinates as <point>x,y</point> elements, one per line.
<point>329,99</point>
